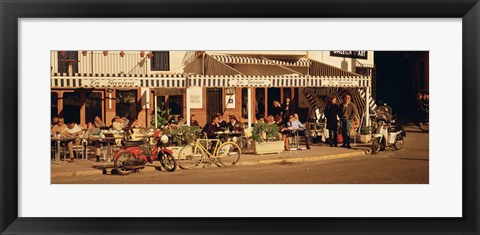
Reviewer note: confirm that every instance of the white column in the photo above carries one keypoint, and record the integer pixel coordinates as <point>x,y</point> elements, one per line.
<point>188,106</point>
<point>249,95</point>
<point>367,106</point>
<point>155,103</point>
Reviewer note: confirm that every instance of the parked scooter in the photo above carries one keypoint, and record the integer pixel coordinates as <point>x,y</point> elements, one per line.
<point>385,135</point>
<point>135,154</point>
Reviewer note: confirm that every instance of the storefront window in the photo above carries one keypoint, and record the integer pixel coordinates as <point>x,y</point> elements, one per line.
<point>126,104</point>
<point>53,104</point>
<point>260,100</point>
<point>93,106</point>
<point>245,103</point>
<point>287,93</point>
<point>175,103</point>
<point>71,106</point>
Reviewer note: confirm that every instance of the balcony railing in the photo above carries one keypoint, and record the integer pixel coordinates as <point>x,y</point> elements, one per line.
<point>112,62</point>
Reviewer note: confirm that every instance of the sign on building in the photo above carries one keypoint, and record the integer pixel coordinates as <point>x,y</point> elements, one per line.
<point>250,82</point>
<point>350,54</point>
<point>114,82</point>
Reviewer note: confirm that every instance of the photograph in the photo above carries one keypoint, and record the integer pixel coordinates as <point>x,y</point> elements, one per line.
<point>239,117</point>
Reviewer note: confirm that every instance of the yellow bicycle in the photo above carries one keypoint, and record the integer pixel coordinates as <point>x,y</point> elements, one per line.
<point>223,154</point>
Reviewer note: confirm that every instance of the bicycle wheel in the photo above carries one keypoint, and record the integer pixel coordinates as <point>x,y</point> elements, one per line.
<point>228,154</point>
<point>190,157</point>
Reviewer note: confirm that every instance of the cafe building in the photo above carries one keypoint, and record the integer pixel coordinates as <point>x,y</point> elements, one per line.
<point>85,84</point>
<point>245,83</point>
<point>133,84</point>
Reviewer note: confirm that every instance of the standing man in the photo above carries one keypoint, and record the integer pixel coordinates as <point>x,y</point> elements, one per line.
<point>286,109</point>
<point>331,113</point>
<point>348,114</point>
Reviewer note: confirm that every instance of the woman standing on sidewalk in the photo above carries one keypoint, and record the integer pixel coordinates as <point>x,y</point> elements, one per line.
<point>331,113</point>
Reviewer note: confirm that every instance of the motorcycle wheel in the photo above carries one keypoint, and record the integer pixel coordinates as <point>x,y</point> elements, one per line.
<point>120,163</point>
<point>376,145</point>
<point>398,143</point>
<point>424,126</point>
<point>168,162</point>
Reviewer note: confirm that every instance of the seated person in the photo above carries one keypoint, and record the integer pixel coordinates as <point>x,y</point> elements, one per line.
<point>235,126</point>
<point>260,118</point>
<point>118,123</point>
<point>210,129</point>
<point>59,127</point>
<point>98,122</point>
<point>296,124</point>
<point>222,123</point>
<point>286,131</point>
<point>193,121</point>
<point>90,135</point>
<point>270,119</point>
<point>180,121</point>
<point>73,130</point>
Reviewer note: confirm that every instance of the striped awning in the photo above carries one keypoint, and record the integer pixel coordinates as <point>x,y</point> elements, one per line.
<point>231,59</point>
<point>80,80</point>
<point>247,81</point>
<point>357,81</point>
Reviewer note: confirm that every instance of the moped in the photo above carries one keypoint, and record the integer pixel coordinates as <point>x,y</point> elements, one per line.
<point>135,154</point>
<point>385,135</point>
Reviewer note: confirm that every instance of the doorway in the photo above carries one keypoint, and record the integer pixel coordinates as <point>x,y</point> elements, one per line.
<point>126,104</point>
<point>273,94</point>
<point>214,102</point>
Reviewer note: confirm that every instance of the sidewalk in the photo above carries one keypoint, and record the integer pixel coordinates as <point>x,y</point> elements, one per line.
<point>318,152</point>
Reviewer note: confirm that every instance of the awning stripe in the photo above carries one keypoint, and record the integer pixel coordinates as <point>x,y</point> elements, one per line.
<point>231,59</point>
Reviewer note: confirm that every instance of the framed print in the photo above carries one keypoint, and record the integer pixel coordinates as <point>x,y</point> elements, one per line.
<point>138,75</point>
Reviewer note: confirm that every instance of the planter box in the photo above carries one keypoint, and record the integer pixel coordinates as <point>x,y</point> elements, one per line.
<point>268,147</point>
<point>365,138</point>
<point>176,150</point>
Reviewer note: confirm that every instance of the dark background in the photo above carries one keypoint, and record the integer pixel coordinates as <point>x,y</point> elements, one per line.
<point>400,76</point>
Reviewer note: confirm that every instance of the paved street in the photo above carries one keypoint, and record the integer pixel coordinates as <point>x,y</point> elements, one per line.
<point>407,166</point>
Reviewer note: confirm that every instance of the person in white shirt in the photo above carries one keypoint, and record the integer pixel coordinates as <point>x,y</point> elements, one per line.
<point>296,124</point>
<point>72,130</point>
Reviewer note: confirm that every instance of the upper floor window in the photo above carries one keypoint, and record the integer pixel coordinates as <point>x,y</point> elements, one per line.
<point>160,61</point>
<point>68,60</point>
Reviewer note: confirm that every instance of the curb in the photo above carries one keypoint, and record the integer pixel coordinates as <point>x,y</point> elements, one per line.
<point>302,159</point>
<point>246,163</point>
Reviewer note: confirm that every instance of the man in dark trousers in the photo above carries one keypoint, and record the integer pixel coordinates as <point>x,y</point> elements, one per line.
<point>331,113</point>
<point>348,114</point>
<point>286,109</point>
<point>209,130</point>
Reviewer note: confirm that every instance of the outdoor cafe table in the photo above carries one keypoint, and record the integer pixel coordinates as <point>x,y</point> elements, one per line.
<point>58,140</point>
<point>294,132</point>
<point>224,135</point>
<point>107,139</point>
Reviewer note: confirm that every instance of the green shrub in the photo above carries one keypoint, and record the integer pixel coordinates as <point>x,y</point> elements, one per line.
<point>265,132</point>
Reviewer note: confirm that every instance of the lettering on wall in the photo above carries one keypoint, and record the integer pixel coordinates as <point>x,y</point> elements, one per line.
<point>114,82</point>
<point>350,54</point>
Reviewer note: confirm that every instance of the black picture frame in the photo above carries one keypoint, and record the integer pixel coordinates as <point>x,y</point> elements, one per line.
<point>11,11</point>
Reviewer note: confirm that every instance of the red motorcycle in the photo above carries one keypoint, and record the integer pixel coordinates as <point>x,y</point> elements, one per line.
<point>135,154</point>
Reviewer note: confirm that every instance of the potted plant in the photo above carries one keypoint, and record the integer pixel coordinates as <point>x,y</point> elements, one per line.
<point>266,138</point>
<point>84,53</point>
<point>122,54</point>
<point>365,134</point>
<point>181,136</point>
<point>142,54</point>
<point>105,53</point>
